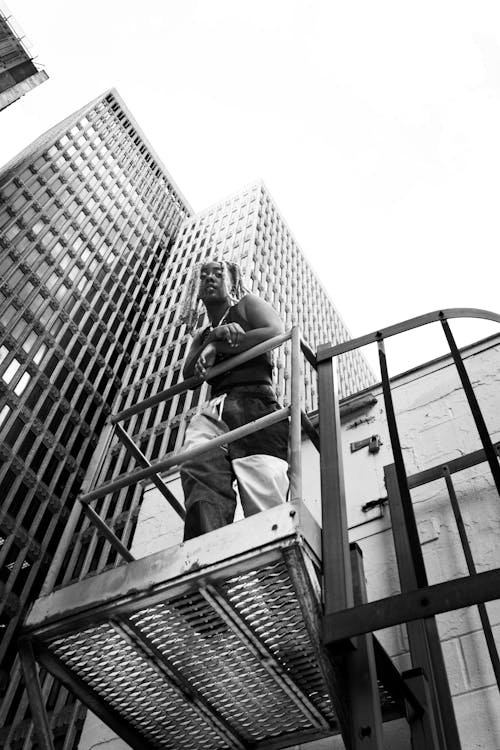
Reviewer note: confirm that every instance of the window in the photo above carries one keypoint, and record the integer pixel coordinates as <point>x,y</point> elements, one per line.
<point>37,227</point>
<point>8,314</point>
<point>40,354</point>
<point>5,411</point>
<point>25,291</point>
<point>9,189</point>
<point>71,389</point>
<point>45,408</point>
<point>11,370</point>
<point>35,394</point>
<point>27,444</point>
<point>84,361</point>
<point>56,421</point>
<point>180,403</point>
<point>51,281</point>
<point>81,401</point>
<point>195,397</point>
<point>66,433</point>
<point>12,232</point>
<point>23,382</point>
<point>61,377</point>
<point>156,447</point>
<point>171,440</point>
<point>14,432</point>
<point>16,278</point>
<point>50,470</point>
<point>61,291</point>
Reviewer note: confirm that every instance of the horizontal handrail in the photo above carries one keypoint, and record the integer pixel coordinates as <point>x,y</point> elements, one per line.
<point>454,465</point>
<point>416,604</point>
<point>176,458</point>
<point>213,372</point>
<point>327,352</point>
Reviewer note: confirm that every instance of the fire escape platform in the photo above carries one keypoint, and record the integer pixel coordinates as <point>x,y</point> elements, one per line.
<point>211,644</point>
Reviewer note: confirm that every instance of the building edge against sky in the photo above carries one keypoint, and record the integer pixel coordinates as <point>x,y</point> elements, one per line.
<point>88,220</point>
<point>96,245</point>
<point>19,72</point>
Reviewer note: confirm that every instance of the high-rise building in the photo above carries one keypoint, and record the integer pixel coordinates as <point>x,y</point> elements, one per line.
<point>248,227</point>
<point>97,244</point>
<point>19,73</point>
<point>87,219</point>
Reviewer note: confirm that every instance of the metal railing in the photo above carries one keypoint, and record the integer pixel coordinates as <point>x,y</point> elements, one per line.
<point>347,615</point>
<point>418,602</point>
<point>148,470</point>
<point>336,560</point>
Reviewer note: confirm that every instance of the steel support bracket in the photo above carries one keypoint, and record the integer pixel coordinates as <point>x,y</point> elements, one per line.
<point>373,444</point>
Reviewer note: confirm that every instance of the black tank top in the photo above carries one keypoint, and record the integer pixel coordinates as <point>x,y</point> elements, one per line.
<point>255,371</point>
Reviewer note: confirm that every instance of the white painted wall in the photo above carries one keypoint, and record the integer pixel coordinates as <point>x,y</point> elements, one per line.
<point>435,426</point>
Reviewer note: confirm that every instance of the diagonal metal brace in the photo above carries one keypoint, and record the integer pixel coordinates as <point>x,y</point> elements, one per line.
<point>103,527</point>
<point>143,461</point>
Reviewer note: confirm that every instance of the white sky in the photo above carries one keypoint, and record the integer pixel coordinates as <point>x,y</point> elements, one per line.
<point>375,125</point>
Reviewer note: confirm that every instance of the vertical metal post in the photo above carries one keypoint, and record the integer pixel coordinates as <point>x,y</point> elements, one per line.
<point>422,726</point>
<point>489,449</point>
<point>37,705</point>
<point>337,576</point>
<point>402,480</point>
<point>423,635</point>
<point>89,481</point>
<point>364,697</point>
<point>471,567</point>
<point>295,419</point>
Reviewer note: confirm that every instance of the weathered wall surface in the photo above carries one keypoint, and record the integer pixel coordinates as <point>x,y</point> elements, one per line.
<point>435,426</point>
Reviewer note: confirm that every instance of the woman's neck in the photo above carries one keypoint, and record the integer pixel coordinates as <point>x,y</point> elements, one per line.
<point>217,312</point>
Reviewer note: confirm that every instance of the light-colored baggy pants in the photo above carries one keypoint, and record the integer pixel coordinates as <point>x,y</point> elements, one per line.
<point>258,462</point>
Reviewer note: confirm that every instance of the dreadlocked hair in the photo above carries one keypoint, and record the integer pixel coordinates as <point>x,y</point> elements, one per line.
<point>233,282</point>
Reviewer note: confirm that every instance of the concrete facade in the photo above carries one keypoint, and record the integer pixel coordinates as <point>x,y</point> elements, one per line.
<point>80,257</point>
<point>435,426</point>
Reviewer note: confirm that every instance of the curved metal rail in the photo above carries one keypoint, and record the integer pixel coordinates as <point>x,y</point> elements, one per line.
<point>406,325</point>
<point>338,587</point>
<point>339,599</point>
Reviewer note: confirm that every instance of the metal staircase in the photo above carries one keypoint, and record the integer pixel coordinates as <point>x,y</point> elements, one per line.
<point>258,635</point>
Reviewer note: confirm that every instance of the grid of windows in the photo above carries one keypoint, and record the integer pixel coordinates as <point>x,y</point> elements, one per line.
<point>87,221</point>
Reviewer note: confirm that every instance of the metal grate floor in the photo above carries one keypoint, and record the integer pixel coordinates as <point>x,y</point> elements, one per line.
<point>183,650</point>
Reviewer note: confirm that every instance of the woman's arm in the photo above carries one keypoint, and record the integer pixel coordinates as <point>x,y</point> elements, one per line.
<point>197,345</point>
<point>264,322</point>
